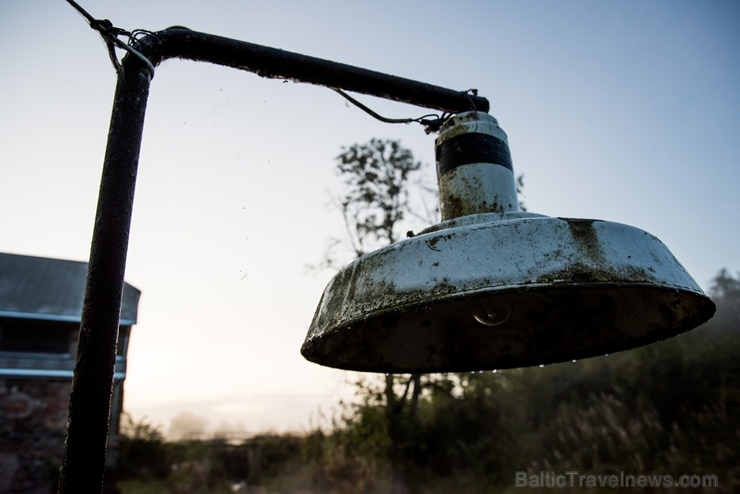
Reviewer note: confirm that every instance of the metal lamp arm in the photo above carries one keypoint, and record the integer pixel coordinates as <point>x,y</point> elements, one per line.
<point>179,42</point>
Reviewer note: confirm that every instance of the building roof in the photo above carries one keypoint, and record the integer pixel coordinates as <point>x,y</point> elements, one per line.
<point>51,289</point>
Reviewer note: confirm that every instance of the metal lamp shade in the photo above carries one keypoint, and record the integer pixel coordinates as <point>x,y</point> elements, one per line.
<point>515,291</point>
<point>492,287</point>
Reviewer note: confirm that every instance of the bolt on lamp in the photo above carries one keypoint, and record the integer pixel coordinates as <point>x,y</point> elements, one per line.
<point>493,287</point>
<point>489,287</point>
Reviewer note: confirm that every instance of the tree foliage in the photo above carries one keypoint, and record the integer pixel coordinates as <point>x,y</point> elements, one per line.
<point>383,196</point>
<point>376,176</point>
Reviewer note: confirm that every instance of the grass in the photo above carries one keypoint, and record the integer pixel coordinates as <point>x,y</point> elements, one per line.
<point>143,487</point>
<point>162,487</point>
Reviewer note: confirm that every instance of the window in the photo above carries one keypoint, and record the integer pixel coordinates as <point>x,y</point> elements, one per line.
<point>18,335</point>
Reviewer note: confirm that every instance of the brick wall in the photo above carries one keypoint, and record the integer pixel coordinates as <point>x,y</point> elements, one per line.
<point>33,417</point>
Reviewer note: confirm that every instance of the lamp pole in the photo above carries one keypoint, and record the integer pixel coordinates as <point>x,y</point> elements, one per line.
<point>83,465</point>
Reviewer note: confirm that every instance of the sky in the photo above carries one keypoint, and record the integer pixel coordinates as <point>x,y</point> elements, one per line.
<point>624,111</point>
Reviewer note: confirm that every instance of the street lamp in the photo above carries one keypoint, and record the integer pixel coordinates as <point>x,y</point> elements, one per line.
<point>489,287</point>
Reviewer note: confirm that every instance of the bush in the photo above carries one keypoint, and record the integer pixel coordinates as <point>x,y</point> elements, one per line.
<point>143,453</point>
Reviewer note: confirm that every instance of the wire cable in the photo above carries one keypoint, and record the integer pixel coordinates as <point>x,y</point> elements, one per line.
<point>110,35</point>
<point>431,122</point>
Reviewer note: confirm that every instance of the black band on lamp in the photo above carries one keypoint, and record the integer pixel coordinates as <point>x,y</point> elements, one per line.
<point>472,148</point>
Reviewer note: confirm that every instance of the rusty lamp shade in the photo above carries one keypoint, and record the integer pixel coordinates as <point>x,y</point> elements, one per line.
<point>492,287</point>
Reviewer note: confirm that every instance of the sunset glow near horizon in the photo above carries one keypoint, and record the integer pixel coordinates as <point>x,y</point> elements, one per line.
<point>622,111</point>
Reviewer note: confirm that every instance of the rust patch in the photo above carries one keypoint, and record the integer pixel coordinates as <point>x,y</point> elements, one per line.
<point>583,233</point>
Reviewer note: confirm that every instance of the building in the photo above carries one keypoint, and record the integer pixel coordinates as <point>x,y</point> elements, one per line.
<point>40,311</point>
